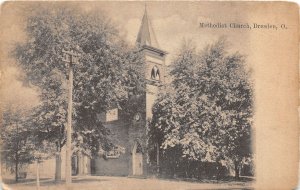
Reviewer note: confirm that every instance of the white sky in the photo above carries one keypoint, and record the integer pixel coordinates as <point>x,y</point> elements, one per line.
<point>172,22</point>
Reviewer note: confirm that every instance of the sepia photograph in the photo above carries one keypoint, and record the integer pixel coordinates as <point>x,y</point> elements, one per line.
<point>148,95</point>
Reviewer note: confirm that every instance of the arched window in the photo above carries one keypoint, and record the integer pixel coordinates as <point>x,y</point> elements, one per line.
<point>155,74</point>
<point>139,148</point>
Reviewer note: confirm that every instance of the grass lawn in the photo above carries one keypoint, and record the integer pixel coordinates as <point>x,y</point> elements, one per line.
<point>125,183</point>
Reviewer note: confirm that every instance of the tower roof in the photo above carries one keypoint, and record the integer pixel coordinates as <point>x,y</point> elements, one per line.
<point>146,34</point>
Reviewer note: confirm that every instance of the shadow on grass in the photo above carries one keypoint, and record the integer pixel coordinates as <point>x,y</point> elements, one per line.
<point>51,182</point>
<point>20,181</point>
<point>88,180</point>
<point>229,188</point>
<point>226,180</point>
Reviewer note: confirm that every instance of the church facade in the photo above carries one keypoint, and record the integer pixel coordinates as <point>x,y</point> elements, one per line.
<point>130,158</point>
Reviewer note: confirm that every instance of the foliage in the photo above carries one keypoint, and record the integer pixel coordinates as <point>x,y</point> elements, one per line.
<point>107,74</point>
<point>17,147</point>
<point>206,111</point>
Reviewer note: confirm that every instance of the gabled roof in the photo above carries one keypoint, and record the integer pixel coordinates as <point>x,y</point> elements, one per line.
<point>146,34</point>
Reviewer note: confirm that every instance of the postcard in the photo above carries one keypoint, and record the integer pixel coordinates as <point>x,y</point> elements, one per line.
<point>149,95</point>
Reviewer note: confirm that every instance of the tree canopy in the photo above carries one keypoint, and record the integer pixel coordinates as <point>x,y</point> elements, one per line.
<point>205,113</point>
<point>16,143</point>
<point>108,73</point>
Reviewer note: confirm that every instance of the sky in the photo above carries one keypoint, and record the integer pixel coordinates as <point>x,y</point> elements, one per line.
<point>172,22</point>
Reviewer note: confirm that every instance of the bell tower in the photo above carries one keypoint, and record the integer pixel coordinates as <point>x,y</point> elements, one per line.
<point>155,76</point>
<point>155,61</point>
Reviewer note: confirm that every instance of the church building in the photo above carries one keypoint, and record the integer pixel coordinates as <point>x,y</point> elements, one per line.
<point>130,158</point>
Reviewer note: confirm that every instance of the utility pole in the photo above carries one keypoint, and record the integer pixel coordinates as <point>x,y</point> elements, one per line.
<point>71,58</point>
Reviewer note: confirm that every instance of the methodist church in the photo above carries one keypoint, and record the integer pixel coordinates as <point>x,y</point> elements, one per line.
<point>131,159</point>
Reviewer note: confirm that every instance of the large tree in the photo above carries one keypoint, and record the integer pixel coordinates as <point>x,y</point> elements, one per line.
<point>108,73</point>
<point>17,147</point>
<point>206,114</point>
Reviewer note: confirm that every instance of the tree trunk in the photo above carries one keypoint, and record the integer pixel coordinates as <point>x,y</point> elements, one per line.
<point>157,159</point>
<point>237,170</point>
<point>57,167</point>
<point>17,156</point>
<point>37,175</point>
<point>16,170</point>
<point>58,162</point>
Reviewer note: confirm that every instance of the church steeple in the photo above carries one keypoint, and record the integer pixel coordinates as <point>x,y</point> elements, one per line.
<point>146,34</point>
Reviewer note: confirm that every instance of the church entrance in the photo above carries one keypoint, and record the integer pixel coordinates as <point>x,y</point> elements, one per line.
<point>81,164</point>
<point>74,165</point>
<point>137,159</point>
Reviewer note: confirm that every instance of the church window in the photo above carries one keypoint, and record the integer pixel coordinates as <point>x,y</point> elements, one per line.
<point>112,154</point>
<point>139,148</point>
<point>115,152</point>
<point>155,74</point>
<point>112,115</point>
<point>137,117</point>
